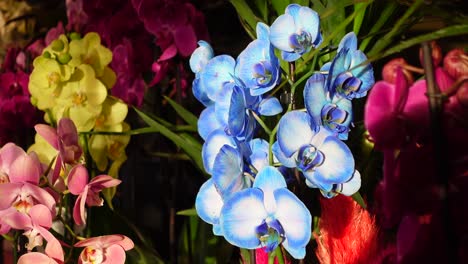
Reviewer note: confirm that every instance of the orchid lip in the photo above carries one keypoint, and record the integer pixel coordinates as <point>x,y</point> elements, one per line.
<point>262,73</point>
<point>270,233</point>
<point>300,42</point>
<point>347,84</point>
<point>333,117</point>
<point>309,157</point>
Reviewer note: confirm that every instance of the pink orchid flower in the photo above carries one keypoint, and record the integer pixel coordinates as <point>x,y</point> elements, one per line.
<point>36,224</point>
<point>395,111</point>
<point>8,153</point>
<point>36,258</point>
<point>88,192</point>
<point>108,249</point>
<point>22,192</point>
<point>65,140</point>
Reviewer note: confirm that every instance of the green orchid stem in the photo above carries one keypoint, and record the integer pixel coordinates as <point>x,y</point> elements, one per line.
<point>436,118</point>
<point>279,255</point>
<point>270,143</point>
<point>292,78</point>
<point>260,121</point>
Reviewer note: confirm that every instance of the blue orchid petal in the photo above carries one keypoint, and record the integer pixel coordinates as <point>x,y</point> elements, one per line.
<point>325,68</point>
<point>237,114</point>
<point>263,31</point>
<point>280,31</point>
<point>297,253</point>
<point>227,173</point>
<point>289,162</point>
<point>240,217</point>
<point>215,141</point>
<point>199,91</point>
<point>293,10</point>
<point>257,67</point>
<point>217,230</point>
<point>218,71</point>
<point>295,130</point>
<point>259,156</point>
<point>223,104</point>
<point>270,106</point>
<point>290,56</point>
<point>315,96</point>
<point>364,72</point>
<point>259,145</point>
<point>349,41</point>
<point>335,152</point>
<point>295,219</point>
<point>207,122</point>
<point>201,56</point>
<point>351,186</point>
<point>341,117</point>
<point>340,64</point>
<point>268,180</point>
<point>208,203</point>
<point>308,20</point>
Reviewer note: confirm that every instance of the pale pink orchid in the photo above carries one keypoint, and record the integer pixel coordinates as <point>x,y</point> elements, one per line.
<point>36,224</point>
<point>88,192</point>
<point>36,258</point>
<point>22,192</point>
<point>108,249</point>
<point>8,153</point>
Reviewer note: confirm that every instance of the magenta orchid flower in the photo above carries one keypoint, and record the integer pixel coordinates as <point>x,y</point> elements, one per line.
<point>36,224</point>
<point>88,192</point>
<point>396,108</point>
<point>108,249</point>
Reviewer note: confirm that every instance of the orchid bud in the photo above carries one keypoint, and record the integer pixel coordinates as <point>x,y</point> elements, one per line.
<point>389,71</point>
<point>456,63</point>
<point>436,54</point>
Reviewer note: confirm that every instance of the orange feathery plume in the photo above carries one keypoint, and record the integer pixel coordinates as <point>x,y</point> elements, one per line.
<point>348,233</point>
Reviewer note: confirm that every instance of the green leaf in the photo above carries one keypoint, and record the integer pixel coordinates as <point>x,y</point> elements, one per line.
<point>387,39</point>
<point>262,7</point>
<point>185,114</point>
<point>188,212</point>
<point>246,16</point>
<point>187,146</point>
<point>358,198</point>
<point>279,6</point>
<point>359,17</point>
<point>449,31</point>
<point>383,17</point>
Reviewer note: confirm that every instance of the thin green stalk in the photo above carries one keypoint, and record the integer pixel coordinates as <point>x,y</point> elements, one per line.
<point>279,255</point>
<point>260,121</point>
<point>271,141</point>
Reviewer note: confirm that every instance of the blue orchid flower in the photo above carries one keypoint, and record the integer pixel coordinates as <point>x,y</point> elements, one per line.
<point>235,106</point>
<point>349,74</point>
<point>267,215</point>
<point>331,111</point>
<point>324,160</point>
<point>229,173</point>
<point>257,66</point>
<point>198,61</point>
<point>296,32</point>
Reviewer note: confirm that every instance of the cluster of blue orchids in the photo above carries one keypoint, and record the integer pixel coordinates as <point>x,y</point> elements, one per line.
<point>247,199</point>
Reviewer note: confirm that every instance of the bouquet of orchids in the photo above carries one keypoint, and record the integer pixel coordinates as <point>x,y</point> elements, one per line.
<point>247,199</point>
